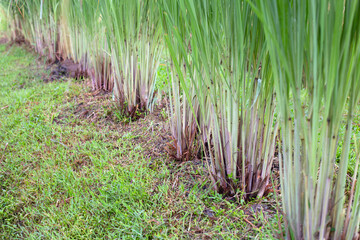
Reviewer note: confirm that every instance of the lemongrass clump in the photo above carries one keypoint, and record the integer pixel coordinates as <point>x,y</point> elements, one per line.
<point>314,48</point>
<point>39,20</point>
<point>49,13</point>
<point>183,119</point>
<point>73,19</point>
<point>75,38</point>
<point>66,29</point>
<point>3,23</point>
<point>224,42</point>
<point>134,34</point>
<point>35,22</point>
<point>12,24</point>
<point>97,52</point>
<point>184,107</point>
<point>7,20</point>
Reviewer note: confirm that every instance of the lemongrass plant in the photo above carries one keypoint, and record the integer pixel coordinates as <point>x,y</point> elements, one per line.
<point>97,52</point>
<point>134,38</point>
<point>84,41</point>
<point>315,53</point>
<point>29,16</point>
<point>77,39</point>
<point>64,44</point>
<point>235,103</point>
<point>48,17</point>
<point>8,15</point>
<point>3,19</point>
<point>67,29</point>
<point>15,17</point>
<point>73,20</point>
<point>40,25</point>
<point>36,21</point>
<point>184,115</point>
<point>183,119</point>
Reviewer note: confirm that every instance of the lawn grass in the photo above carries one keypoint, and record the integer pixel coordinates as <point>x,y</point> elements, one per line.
<point>355,139</point>
<point>83,180</point>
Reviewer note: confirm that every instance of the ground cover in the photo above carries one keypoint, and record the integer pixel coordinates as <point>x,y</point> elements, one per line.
<point>72,168</point>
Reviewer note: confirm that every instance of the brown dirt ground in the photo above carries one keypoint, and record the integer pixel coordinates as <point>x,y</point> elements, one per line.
<point>3,40</point>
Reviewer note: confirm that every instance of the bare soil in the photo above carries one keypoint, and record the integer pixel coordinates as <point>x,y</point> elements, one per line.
<point>61,69</point>
<point>3,40</point>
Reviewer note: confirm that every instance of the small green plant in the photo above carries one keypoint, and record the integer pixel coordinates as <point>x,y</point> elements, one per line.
<point>164,114</point>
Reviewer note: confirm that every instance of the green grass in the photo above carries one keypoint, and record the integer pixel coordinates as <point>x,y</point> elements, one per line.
<point>77,180</point>
<point>355,140</point>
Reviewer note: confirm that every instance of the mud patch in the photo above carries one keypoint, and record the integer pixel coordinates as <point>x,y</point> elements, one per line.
<point>3,40</point>
<point>60,70</point>
<point>18,40</point>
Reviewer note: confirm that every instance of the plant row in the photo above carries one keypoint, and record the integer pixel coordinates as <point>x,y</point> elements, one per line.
<point>250,82</point>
